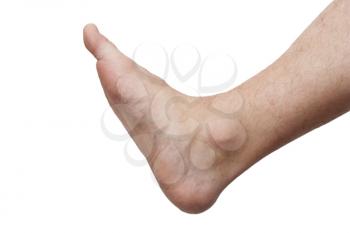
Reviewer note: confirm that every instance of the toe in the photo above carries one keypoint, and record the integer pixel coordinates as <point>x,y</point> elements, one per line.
<point>99,45</point>
<point>111,63</point>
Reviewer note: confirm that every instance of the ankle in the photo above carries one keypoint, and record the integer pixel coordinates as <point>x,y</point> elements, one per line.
<point>224,125</point>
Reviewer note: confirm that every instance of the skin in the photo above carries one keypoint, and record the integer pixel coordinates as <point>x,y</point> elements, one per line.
<point>196,146</point>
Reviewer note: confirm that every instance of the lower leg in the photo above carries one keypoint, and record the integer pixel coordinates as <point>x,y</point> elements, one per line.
<point>306,87</point>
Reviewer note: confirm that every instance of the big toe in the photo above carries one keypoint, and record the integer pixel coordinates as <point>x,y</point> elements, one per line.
<point>99,45</point>
<point>111,63</point>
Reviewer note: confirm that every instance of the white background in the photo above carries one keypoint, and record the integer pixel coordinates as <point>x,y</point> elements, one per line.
<point>60,173</point>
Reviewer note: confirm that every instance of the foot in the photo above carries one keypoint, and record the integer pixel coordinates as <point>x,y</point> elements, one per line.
<point>191,143</point>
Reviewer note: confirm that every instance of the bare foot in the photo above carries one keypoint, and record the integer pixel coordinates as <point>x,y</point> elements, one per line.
<point>190,143</point>
<point>197,146</point>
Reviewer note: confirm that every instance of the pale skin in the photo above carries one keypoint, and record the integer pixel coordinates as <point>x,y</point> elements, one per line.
<point>196,146</point>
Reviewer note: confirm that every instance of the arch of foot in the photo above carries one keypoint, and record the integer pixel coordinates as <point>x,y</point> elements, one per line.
<point>169,166</point>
